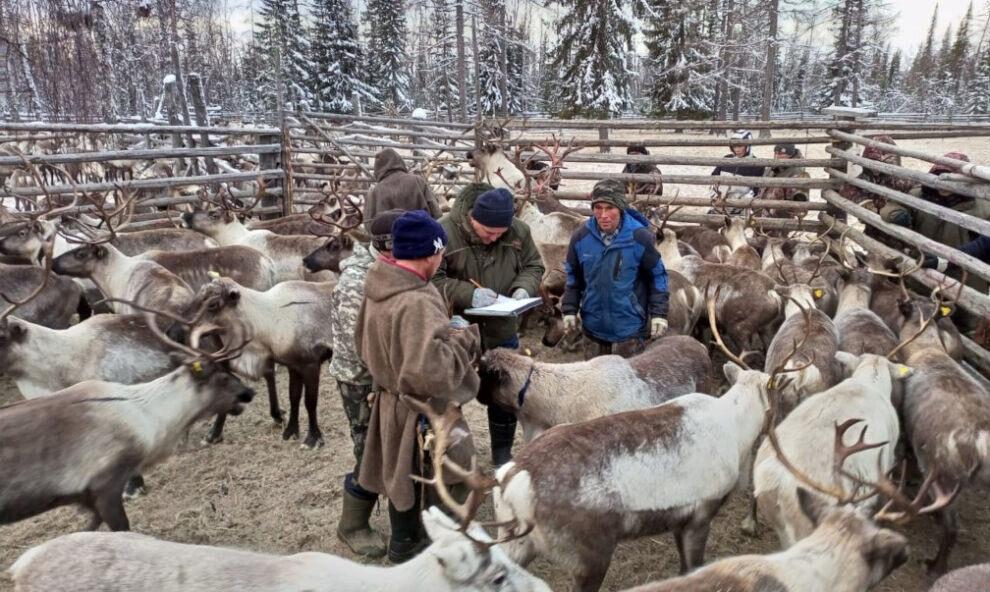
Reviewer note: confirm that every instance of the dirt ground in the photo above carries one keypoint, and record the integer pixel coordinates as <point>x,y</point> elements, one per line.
<point>258,492</point>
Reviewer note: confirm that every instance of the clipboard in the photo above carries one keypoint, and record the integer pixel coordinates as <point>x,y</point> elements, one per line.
<point>505,307</point>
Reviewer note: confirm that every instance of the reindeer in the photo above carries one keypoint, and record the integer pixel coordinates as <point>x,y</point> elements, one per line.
<point>125,278</point>
<point>54,305</point>
<point>291,325</point>
<point>221,224</point>
<point>741,253</point>
<point>846,552</point>
<point>82,444</point>
<point>543,395</point>
<point>805,435</point>
<point>860,330</point>
<point>748,303</point>
<point>244,265</point>
<point>632,474</point>
<point>946,416</point>
<point>457,561</point>
<point>966,579</point>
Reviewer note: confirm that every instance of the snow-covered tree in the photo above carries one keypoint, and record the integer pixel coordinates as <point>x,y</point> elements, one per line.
<point>443,89</point>
<point>592,60</point>
<point>680,84</point>
<point>978,91</point>
<point>283,47</point>
<point>336,63</point>
<point>387,60</point>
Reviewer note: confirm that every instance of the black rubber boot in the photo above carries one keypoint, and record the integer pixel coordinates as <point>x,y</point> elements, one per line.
<point>407,538</point>
<point>502,427</point>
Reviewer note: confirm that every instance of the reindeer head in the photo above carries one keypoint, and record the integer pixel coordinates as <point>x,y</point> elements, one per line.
<point>210,221</point>
<point>25,239</point>
<point>471,566</point>
<point>330,254</point>
<point>81,262</point>
<point>13,331</point>
<point>883,550</point>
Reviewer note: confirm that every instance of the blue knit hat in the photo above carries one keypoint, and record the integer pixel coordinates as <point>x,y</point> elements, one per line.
<point>415,235</point>
<point>494,208</point>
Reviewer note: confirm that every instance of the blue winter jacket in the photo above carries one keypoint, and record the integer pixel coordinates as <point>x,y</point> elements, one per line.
<point>618,287</point>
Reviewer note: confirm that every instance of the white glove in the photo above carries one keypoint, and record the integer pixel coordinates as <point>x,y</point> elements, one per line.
<point>483,297</point>
<point>943,264</point>
<point>519,294</point>
<point>658,327</point>
<point>570,323</point>
<point>458,322</point>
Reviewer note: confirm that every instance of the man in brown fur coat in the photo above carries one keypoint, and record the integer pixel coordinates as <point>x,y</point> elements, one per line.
<point>406,339</point>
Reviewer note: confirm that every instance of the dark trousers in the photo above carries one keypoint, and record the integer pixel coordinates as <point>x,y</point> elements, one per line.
<point>596,347</point>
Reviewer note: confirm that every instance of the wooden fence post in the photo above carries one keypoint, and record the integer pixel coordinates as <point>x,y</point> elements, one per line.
<point>270,161</point>
<point>603,135</point>
<point>841,114</point>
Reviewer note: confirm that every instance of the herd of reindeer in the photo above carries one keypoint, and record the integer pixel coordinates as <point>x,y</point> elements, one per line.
<point>844,392</point>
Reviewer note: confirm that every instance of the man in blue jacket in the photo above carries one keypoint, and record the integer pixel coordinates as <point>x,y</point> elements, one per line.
<point>615,278</point>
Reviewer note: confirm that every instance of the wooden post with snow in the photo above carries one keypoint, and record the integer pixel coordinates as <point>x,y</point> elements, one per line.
<point>202,119</point>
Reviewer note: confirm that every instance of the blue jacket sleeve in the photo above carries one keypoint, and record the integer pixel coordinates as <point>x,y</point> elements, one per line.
<point>653,271</point>
<point>979,248</point>
<point>574,288</point>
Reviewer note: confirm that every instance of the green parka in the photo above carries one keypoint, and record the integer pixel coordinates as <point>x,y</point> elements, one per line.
<point>510,263</point>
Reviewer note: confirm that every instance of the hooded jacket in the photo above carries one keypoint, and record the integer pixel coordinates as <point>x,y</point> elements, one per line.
<point>617,288</point>
<point>398,189</point>
<point>509,263</point>
<point>404,336</point>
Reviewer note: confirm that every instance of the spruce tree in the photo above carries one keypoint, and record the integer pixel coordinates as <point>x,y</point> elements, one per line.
<point>978,91</point>
<point>957,62</point>
<point>678,86</point>
<point>591,58</point>
<point>443,88</point>
<point>281,45</point>
<point>337,58</point>
<point>387,60</point>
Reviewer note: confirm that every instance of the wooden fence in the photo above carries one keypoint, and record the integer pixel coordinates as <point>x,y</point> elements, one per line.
<point>310,149</point>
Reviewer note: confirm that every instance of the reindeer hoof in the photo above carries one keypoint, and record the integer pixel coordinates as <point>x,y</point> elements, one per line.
<point>935,567</point>
<point>290,431</point>
<point>212,438</point>
<point>313,442</point>
<point>278,417</point>
<point>748,527</point>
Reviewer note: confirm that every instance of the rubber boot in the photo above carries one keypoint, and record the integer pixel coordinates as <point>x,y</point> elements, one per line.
<point>502,433</point>
<point>407,538</point>
<point>353,529</point>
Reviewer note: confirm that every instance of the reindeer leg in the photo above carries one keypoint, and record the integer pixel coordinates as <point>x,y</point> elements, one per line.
<point>949,531</point>
<point>216,432</point>
<point>109,504</point>
<point>273,409</point>
<point>295,395</point>
<point>134,487</point>
<point>592,572</point>
<point>311,381</point>
<point>691,542</point>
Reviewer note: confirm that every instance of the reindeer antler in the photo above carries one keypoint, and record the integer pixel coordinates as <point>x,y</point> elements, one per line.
<point>19,302</point>
<point>714,327</point>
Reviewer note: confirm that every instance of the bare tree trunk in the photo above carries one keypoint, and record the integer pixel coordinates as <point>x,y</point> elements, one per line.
<point>503,61</point>
<point>858,43</point>
<point>461,59</point>
<point>477,83</point>
<point>725,60</point>
<point>202,119</point>
<point>171,103</point>
<point>771,66</point>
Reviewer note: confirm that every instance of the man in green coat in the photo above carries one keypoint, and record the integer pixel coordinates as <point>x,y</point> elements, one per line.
<point>490,253</point>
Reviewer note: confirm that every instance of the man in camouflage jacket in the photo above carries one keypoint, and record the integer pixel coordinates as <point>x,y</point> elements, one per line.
<point>354,381</point>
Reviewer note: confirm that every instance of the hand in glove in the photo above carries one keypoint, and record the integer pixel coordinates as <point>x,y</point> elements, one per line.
<point>658,327</point>
<point>458,322</point>
<point>570,323</point>
<point>483,297</point>
<point>519,294</point>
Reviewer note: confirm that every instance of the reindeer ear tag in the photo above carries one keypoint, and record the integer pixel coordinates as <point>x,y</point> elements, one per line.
<point>196,367</point>
<point>528,352</point>
<point>213,274</point>
<point>905,370</point>
<point>818,293</point>
<point>945,310</point>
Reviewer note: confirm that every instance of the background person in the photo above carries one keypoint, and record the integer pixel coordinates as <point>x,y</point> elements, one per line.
<point>491,248</point>
<point>616,280</point>
<point>404,336</point>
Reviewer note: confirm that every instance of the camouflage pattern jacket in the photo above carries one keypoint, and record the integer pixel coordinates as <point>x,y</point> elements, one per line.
<point>346,365</point>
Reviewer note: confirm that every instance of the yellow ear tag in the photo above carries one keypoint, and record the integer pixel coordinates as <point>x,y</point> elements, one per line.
<point>213,274</point>
<point>905,370</point>
<point>528,352</point>
<point>196,367</point>
<point>752,222</point>
<point>945,310</point>
<point>818,293</point>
